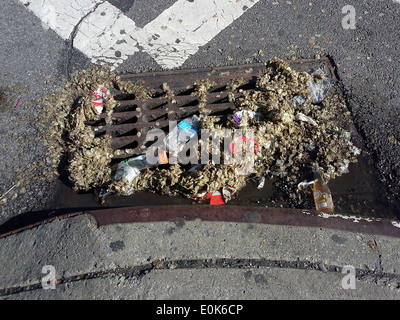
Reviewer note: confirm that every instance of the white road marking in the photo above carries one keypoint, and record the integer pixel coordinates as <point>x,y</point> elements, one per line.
<point>180,30</point>
<point>61,16</point>
<point>106,35</point>
<point>101,35</point>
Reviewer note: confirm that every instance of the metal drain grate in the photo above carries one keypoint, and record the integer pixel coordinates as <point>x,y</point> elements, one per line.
<point>134,118</point>
<point>129,127</point>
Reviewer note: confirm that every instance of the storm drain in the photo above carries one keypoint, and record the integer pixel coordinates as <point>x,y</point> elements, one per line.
<point>356,194</point>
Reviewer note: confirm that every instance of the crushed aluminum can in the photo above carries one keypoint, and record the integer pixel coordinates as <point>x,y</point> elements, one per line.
<point>100,97</point>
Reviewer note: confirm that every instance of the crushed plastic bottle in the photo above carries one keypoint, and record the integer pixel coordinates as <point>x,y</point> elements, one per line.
<point>139,162</point>
<point>182,133</point>
<point>321,193</point>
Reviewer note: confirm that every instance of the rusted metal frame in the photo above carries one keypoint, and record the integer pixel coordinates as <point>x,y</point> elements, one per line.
<point>229,213</point>
<point>247,214</point>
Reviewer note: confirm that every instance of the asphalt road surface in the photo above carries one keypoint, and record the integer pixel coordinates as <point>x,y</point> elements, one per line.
<point>39,49</point>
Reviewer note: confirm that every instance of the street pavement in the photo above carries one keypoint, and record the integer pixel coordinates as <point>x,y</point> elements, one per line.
<point>182,260</point>
<point>37,57</point>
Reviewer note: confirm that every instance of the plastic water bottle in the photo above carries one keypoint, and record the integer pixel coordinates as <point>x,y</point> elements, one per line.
<point>182,133</point>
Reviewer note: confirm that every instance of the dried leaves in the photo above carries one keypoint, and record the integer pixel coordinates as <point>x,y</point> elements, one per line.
<point>68,134</point>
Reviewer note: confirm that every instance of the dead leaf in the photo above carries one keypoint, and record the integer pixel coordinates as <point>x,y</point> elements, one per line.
<point>372,244</point>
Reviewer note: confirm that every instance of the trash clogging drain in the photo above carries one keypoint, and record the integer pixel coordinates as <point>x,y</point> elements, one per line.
<point>205,141</point>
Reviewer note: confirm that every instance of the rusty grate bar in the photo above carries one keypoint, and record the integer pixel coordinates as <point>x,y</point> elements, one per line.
<point>141,116</point>
<point>134,118</point>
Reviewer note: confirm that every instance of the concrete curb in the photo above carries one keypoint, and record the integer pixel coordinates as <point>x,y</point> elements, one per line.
<point>76,247</point>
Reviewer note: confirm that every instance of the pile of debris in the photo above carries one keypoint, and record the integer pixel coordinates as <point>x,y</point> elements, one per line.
<point>297,121</point>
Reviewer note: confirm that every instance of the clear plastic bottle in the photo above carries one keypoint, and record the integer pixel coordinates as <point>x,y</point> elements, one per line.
<point>321,193</point>
<point>182,133</point>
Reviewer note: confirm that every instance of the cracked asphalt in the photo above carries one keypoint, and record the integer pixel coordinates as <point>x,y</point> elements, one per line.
<point>35,60</point>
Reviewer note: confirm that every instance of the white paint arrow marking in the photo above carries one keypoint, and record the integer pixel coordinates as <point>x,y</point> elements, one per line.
<point>106,35</point>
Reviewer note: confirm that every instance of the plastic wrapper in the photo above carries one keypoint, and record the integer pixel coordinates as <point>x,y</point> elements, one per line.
<point>195,167</point>
<point>309,146</point>
<point>216,198</point>
<point>262,182</point>
<point>241,140</point>
<point>163,157</point>
<point>129,169</point>
<point>302,117</point>
<point>298,101</point>
<point>320,85</point>
<point>228,193</point>
<point>305,184</point>
<point>356,151</point>
<point>240,114</point>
